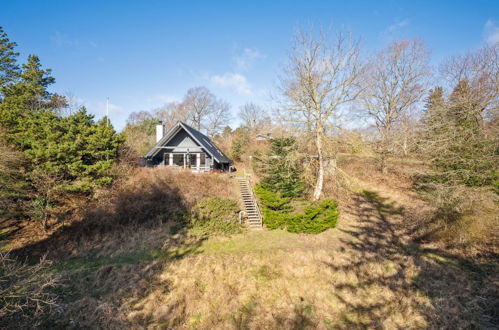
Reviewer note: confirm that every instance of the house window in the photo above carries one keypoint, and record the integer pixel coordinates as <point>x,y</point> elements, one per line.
<point>202,159</point>
<point>178,160</point>
<point>192,160</point>
<point>166,158</point>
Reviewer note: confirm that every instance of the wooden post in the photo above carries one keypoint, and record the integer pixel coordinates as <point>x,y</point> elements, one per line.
<point>198,161</point>
<point>171,159</point>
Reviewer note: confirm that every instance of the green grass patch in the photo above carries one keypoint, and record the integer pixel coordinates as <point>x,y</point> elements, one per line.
<point>132,258</point>
<point>252,241</point>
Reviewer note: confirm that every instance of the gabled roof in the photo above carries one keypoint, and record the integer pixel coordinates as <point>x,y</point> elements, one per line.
<point>197,136</point>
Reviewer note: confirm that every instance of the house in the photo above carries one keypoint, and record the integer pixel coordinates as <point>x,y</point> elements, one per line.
<point>263,137</point>
<point>186,147</point>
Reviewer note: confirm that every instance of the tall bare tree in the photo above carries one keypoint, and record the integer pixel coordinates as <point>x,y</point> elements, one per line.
<point>218,118</point>
<point>205,111</point>
<point>171,113</point>
<point>480,69</point>
<point>394,84</point>
<point>199,102</point>
<point>253,116</point>
<point>323,75</point>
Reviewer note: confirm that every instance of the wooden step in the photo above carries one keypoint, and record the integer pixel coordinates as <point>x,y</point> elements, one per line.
<point>253,216</point>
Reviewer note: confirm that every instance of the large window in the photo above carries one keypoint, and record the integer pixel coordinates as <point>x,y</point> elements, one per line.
<point>178,160</point>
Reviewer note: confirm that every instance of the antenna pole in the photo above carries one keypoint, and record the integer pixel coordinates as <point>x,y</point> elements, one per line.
<point>107,111</point>
<point>107,121</point>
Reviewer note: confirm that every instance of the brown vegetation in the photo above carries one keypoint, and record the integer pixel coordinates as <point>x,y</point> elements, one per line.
<point>122,267</point>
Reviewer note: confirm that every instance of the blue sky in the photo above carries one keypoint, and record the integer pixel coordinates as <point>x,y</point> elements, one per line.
<point>142,54</point>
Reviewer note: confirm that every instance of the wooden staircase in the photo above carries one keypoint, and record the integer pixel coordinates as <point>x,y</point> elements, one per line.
<point>253,214</point>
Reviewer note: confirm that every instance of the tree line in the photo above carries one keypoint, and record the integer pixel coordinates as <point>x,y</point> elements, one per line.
<point>445,115</point>
<point>327,76</point>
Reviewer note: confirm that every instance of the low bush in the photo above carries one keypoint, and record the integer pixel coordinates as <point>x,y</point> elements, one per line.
<point>274,219</point>
<point>278,213</point>
<point>214,215</point>
<point>317,217</point>
<point>272,200</point>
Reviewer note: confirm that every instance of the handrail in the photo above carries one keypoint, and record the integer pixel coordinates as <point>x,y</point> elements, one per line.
<point>254,197</point>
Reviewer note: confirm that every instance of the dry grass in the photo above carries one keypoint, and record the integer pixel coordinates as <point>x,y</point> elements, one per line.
<point>367,273</point>
<point>131,272</point>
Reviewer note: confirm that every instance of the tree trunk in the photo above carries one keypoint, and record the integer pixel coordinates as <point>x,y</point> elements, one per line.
<point>320,175</point>
<point>404,148</point>
<point>383,154</point>
<point>382,162</point>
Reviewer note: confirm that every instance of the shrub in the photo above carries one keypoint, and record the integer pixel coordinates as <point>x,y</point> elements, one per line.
<point>274,219</point>
<point>277,214</point>
<point>272,200</point>
<point>317,217</point>
<point>215,215</point>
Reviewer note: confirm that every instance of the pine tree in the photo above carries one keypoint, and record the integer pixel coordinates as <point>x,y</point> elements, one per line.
<point>29,94</point>
<point>280,168</point>
<point>461,153</point>
<point>9,70</point>
<point>434,117</point>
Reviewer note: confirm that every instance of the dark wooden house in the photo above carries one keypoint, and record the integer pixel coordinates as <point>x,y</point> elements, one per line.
<point>186,147</point>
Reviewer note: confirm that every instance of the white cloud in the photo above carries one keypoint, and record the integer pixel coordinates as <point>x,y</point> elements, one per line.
<point>392,29</point>
<point>61,39</point>
<point>245,60</point>
<point>491,32</point>
<point>398,25</point>
<point>232,80</point>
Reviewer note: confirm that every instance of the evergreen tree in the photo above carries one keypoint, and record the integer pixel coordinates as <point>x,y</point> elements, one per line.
<point>461,153</point>
<point>27,95</point>
<point>74,149</point>
<point>63,153</point>
<point>9,70</point>
<point>281,169</point>
<point>434,116</point>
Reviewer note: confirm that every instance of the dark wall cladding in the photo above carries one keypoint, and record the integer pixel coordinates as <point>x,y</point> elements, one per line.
<point>144,162</point>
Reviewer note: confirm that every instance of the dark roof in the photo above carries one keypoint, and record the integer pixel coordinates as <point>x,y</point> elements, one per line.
<point>199,137</point>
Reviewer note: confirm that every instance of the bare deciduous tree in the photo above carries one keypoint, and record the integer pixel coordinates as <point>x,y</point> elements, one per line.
<point>205,111</point>
<point>253,116</point>
<point>480,69</point>
<point>394,84</point>
<point>171,113</point>
<point>138,117</point>
<point>218,118</point>
<point>322,76</point>
<point>199,102</point>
